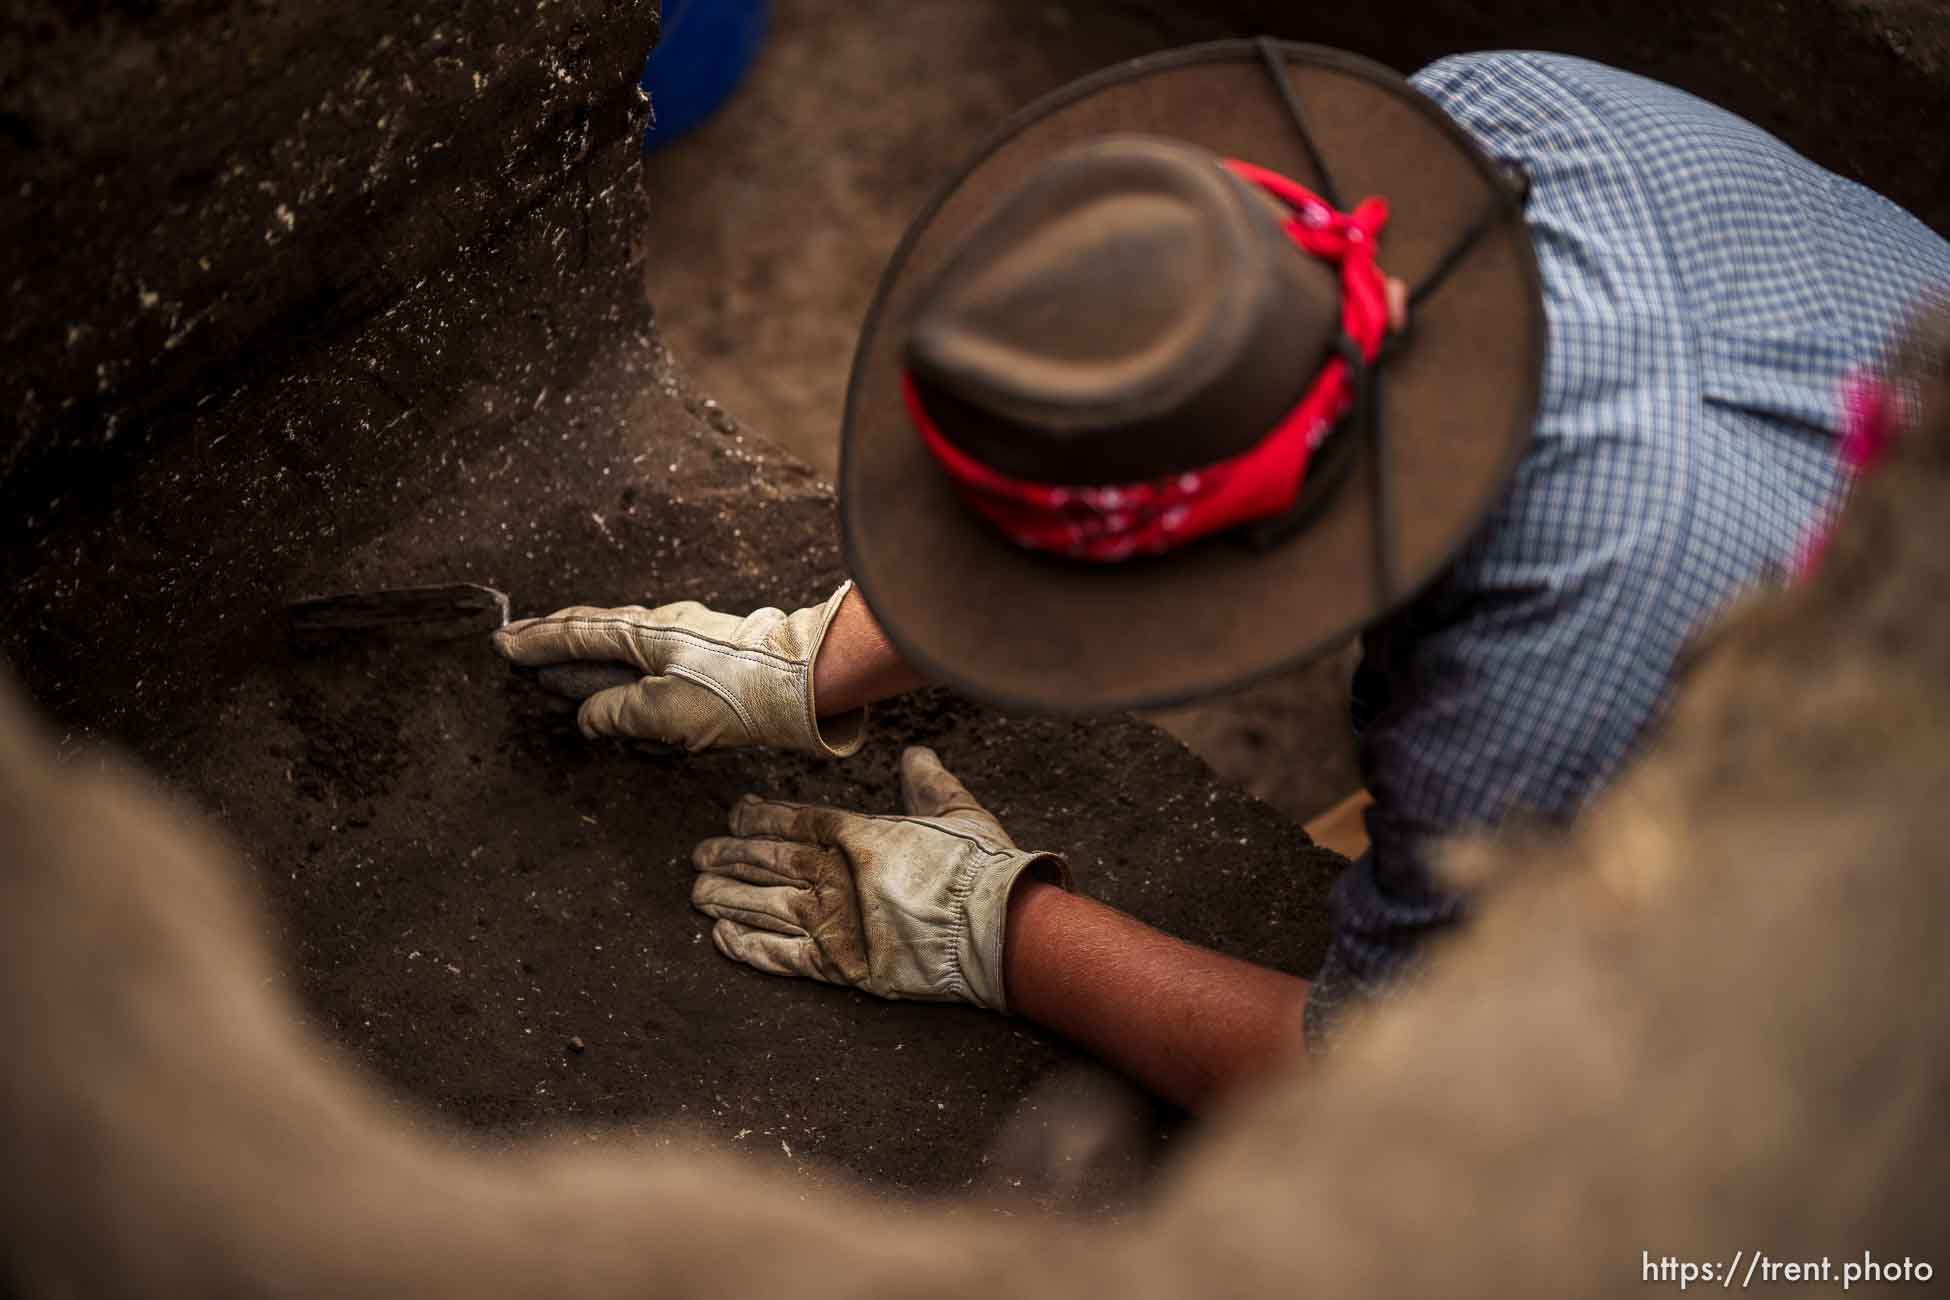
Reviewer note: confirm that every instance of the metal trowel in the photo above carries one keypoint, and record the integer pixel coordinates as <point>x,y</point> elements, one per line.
<point>467,607</point>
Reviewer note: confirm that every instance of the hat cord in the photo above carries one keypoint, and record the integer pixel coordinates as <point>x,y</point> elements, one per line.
<point>1363,412</point>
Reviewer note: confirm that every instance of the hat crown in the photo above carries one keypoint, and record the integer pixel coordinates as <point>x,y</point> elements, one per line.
<point>1131,310</point>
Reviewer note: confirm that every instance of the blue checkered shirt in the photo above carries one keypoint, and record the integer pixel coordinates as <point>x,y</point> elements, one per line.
<point>1707,289</point>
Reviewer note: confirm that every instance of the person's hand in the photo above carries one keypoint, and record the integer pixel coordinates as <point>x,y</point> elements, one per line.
<point>902,906</point>
<point>710,680</point>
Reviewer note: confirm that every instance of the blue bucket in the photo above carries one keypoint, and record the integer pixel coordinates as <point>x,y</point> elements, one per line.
<point>702,52</point>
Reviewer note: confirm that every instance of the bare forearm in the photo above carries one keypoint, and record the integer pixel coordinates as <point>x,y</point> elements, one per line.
<point>857,664</point>
<point>1186,1022</point>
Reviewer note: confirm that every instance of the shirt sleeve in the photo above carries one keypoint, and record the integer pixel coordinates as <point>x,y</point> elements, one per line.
<point>1515,687</point>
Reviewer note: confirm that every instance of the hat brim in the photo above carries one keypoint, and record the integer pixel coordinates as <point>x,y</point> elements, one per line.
<point>1027,631</point>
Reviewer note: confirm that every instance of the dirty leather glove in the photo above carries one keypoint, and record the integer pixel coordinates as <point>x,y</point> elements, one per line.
<point>711,680</point>
<point>905,907</point>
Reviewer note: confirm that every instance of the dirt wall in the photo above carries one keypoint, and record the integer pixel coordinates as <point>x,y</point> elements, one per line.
<point>201,195</point>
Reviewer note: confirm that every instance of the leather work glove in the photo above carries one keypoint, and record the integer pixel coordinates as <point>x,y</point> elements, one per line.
<point>711,681</point>
<point>905,907</point>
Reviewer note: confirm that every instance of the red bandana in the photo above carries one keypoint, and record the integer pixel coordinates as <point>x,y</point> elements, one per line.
<point>1116,521</point>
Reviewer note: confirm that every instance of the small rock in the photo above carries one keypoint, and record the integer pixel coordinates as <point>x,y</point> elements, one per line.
<point>576,1044</point>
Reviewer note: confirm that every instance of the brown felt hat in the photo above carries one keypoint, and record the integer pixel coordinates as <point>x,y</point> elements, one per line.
<point>1095,299</point>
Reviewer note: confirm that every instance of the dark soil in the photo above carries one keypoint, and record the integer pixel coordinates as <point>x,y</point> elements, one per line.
<point>470,889</point>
